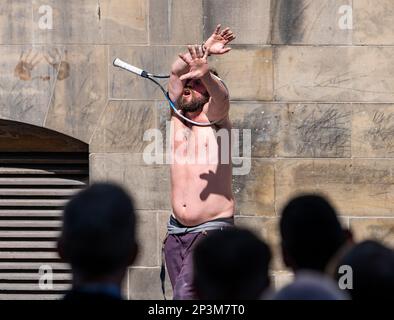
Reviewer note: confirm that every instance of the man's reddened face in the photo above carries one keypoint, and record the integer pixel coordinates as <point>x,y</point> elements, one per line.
<point>195,88</point>
<point>194,96</point>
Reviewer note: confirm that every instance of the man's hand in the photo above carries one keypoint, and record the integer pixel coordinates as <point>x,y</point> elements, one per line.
<point>218,40</point>
<point>197,62</point>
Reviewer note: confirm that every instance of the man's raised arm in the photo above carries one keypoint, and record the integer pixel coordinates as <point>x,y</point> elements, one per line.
<point>216,44</point>
<point>175,85</point>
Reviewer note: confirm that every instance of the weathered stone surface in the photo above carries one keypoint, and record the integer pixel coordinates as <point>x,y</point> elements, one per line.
<point>26,83</point>
<point>310,22</point>
<point>373,193</point>
<point>344,74</point>
<point>124,21</point>
<point>80,94</point>
<point>127,135</point>
<point>330,177</point>
<point>316,130</point>
<point>249,19</point>
<point>374,228</point>
<point>263,121</point>
<point>147,237</point>
<point>15,21</point>
<point>247,72</point>
<point>373,21</point>
<point>268,230</point>
<point>92,22</point>
<point>254,192</point>
<point>373,130</point>
<point>163,121</point>
<point>355,187</point>
<point>144,284</point>
<point>175,21</point>
<point>155,59</point>
<point>149,184</point>
<point>163,217</point>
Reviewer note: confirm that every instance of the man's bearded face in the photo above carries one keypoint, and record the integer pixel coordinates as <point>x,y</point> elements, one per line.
<point>194,97</point>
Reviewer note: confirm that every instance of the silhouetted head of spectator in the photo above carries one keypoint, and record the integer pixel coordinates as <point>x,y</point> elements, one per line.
<point>311,233</point>
<point>311,285</point>
<point>231,264</point>
<point>372,271</point>
<point>98,233</point>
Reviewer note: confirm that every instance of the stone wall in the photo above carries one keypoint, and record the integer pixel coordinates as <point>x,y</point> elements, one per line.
<point>317,94</point>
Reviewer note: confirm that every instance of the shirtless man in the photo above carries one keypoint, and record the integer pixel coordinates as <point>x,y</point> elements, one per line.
<point>202,198</point>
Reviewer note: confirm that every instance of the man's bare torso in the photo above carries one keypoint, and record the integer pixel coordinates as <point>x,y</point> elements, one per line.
<point>201,172</point>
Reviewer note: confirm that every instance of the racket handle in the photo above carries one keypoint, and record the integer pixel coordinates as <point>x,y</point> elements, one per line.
<point>124,65</point>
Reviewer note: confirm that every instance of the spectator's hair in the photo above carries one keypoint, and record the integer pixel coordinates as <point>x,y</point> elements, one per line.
<point>311,233</point>
<point>372,271</point>
<point>231,264</point>
<point>98,234</point>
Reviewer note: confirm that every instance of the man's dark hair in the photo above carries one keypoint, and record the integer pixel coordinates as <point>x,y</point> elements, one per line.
<point>214,71</point>
<point>372,266</point>
<point>311,233</point>
<point>98,234</point>
<point>231,264</point>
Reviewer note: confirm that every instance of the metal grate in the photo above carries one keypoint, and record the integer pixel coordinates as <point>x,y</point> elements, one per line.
<point>34,188</point>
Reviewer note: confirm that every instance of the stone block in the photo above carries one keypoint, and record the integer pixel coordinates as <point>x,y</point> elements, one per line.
<point>249,19</point>
<point>16,22</point>
<point>334,74</point>
<point>373,130</point>
<point>149,184</point>
<point>26,83</point>
<point>373,22</point>
<point>312,22</point>
<point>379,229</point>
<point>263,121</point>
<point>247,72</point>
<point>316,130</point>
<point>175,21</point>
<point>92,22</point>
<point>147,237</point>
<point>144,284</point>
<point>123,125</point>
<point>254,192</point>
<point>80,93</point>
<point>359,187</point>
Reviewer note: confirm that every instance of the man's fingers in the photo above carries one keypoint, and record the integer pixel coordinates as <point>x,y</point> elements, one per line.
<point>195,55</point>
<point>225,31</point>
<point>206,53</point>
<point>199,53</point>
<point>183,58</point>
<point>186,76</point>
<point>228,35</point>
<point>225,50</point>
<point>192,51</point>
<point>231,38</point>
<point>217,30</point>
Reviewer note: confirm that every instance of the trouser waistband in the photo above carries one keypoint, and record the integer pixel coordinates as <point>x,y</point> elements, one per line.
<point>175,227</point>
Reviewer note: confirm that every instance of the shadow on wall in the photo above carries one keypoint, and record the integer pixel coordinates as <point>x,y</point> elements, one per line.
<point>289,14</point>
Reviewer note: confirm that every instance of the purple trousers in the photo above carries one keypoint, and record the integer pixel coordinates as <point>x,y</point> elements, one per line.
<point>178,251</point>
